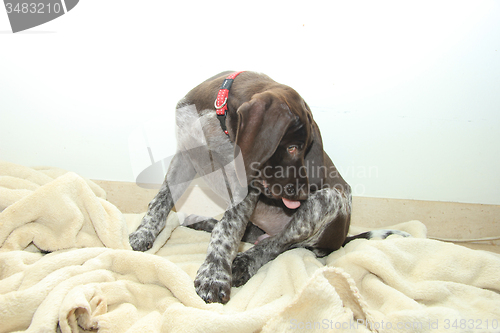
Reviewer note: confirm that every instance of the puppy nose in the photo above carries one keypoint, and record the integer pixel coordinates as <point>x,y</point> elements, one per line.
<point>290,190</point>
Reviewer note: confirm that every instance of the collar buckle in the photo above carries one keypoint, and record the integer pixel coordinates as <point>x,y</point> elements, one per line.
<point>219,107</point>
<point>222,95</point>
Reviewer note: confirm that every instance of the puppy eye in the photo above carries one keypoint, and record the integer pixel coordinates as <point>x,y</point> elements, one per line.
<point>292,149</point>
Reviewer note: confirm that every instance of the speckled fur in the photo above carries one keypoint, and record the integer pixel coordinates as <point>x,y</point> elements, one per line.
<point>304,230</point>
<point>213,281</point>
<point>320,223</point>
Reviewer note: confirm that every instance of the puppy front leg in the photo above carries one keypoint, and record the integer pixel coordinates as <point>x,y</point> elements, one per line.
<point>320,224</point>
<point>179,175</point>
<point>213,280</point>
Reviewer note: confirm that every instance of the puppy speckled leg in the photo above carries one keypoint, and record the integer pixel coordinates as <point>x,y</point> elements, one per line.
<point>306,229</point>
<point>154,221</point>
<point>213,280</point>
<point>173,187</point>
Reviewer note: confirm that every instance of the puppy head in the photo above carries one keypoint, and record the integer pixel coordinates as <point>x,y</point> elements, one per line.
<point>275,133</point>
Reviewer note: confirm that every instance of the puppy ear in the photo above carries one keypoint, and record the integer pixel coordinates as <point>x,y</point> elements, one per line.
<point>262,123</point>
<point>315,157</point>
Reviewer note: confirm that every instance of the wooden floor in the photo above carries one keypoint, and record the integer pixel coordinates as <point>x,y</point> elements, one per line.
<point>442,219</point>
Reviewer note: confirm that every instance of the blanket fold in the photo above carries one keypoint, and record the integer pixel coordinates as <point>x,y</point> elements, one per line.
<point>66,265</point>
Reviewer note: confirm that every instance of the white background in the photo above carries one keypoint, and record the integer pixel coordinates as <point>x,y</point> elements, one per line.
<point>407,94</point>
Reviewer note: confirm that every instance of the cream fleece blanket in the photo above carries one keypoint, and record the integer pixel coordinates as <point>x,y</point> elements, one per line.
<point>91,280</point>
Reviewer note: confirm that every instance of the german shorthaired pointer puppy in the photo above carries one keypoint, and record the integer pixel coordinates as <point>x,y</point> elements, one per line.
<point>267,162</point>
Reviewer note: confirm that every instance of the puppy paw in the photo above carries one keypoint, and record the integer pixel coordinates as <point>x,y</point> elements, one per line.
<point>213,284</point>
<point>141,240</point>
<point>242,269</point>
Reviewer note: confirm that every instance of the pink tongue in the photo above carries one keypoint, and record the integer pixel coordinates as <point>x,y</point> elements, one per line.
<point>291,204</point>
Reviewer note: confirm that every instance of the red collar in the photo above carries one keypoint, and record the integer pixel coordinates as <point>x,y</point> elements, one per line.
<point>221,100</point>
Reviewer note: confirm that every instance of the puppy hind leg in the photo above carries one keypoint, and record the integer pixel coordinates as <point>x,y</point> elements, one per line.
<point>252,234</point>
<point>198,222</point>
